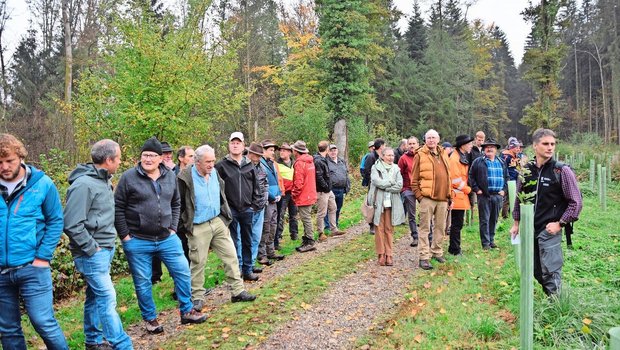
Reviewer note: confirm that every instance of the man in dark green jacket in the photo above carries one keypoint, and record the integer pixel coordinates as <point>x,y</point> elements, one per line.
<point>205,216</point>
<point>89,224</point>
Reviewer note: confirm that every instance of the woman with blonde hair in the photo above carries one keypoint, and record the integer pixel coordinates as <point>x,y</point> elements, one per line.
<point>385,185</point>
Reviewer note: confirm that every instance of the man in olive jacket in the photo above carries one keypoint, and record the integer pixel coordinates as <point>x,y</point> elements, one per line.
<point>205,216</point>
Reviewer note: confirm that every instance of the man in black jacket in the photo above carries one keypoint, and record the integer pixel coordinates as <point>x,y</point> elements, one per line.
<point>339,174</point>
<point>371,159</point>
<point>147,207</point>
<point>244,196</point>
<point>326,202</point>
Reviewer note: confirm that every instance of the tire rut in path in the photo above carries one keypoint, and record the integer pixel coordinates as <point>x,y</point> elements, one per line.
<point>221,294</point>
<point>350,306</point>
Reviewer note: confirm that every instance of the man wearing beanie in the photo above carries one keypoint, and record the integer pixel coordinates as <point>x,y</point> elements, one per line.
<point>148,206</point>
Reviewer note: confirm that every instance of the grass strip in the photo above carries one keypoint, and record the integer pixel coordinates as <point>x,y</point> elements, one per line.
<point>236,326</point>
<point>473,302</point>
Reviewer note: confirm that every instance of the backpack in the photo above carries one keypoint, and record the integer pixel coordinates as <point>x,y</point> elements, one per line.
<point>569,228</point>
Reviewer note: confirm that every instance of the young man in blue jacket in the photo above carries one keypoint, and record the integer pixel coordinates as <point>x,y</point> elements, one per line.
<point>30,226</point>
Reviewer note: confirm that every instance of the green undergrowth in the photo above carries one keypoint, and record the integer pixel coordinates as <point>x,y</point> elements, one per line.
<point>473,301</point>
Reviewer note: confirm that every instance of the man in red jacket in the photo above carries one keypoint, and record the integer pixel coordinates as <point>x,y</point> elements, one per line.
<point>304,192</point>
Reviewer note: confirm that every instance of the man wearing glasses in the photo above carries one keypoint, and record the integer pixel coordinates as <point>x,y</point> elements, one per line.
<point>148,206</point>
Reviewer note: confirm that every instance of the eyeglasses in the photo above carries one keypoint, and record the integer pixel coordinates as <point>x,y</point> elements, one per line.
<point>149,155</point>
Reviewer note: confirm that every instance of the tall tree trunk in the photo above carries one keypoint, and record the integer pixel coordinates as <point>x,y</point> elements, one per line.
<point>603,93</point>
<point>68,52</point>
<point>340,138</point>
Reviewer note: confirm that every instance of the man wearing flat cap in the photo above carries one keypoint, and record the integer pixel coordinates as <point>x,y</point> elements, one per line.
<point>512,158</point>
<point>488,179</point>
<point>275,188</point>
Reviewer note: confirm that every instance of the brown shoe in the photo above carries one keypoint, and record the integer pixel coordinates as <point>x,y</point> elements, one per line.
<point>389,261</point>
<point>381,259</point>
<point>338,233</point>
<point>322,237</point>
<point>425,265</point>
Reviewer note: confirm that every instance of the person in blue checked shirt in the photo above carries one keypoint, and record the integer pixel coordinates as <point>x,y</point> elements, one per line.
<point>31,223</point>
<point>488,178</point>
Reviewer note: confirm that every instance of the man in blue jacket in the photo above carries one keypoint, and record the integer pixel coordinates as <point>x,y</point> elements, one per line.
<point>31,224</point>
<point>266,249</point>
<point>89,224</point>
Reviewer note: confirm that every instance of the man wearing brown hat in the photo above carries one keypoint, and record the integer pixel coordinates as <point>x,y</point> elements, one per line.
<point>285,167</point>
<point>304,192</point>
<point>255,154</point>
<point>275,188</point>
<point>242,193</point>
<point>488,178</point>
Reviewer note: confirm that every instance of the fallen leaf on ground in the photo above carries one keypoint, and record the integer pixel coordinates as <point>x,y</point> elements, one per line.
<point>587,321</point>
<point>442,311</point>
<point>389,331</point>
<point>503,283</point>
<point>418,338</point>
<point>305,306</point>
<point>226,330</point>
<point>427,285</point>
<point>225,335</point>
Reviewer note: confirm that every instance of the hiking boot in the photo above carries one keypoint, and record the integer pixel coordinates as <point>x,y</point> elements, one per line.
<point>425,265</point>
<point>322,237</point>
<point>294,237</point>
<point>414,242</point>
<point>103,346</point>
<point>439,259</point>
<point>208,291</point>
<point>198,304</point>
<point>493,245</point>
<point>153,327</point>
<point>265,261</point>
<point>338,233</point>
<point>306,248</point>
<point>193,316</point>
<point>243,296</point>
<point>250,277</point>
<point>486,247</point>
<point>276,257</point>
<point>257,270</point>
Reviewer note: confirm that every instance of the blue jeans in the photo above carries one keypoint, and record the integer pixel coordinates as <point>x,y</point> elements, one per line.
<point>100,316</point>
<point>139,253</point>
<point>241,234</point>
<point>339,196</point>
<point>34,285</point>
<point>488,213</point>
<point>257,232</point>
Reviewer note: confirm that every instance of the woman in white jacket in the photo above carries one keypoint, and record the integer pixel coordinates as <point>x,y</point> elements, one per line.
<point>385,185</point>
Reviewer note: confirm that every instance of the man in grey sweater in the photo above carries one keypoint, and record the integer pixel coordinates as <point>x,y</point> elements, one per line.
<point>89,223</point>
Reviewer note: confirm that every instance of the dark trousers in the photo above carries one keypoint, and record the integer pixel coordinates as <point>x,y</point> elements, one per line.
<point>339,197</point>
<point>410,202</point>
<point>286,203</point>
<point>548,261</point>
<point>456,225</point>
<point>488,213</point>
<point>241,234</point>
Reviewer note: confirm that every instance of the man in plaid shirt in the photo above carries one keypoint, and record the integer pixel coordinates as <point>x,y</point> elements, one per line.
<point>557,202</point>
<point>488,178</point>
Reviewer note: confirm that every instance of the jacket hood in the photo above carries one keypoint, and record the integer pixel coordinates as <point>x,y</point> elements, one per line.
<point>319,156</point>
<point>306,158</point>
<point>88,169</point>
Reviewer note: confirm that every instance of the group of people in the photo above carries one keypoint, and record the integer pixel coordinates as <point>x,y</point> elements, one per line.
<point>163,212</point>
<point>175,213</point>
<point>444,181</point>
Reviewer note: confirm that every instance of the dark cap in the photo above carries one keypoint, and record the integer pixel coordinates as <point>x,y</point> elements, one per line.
<point>165,147</point>
<point>462,139</point>
<point>490,142</point>
<point>446,144</point>
<point>152,145</point>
